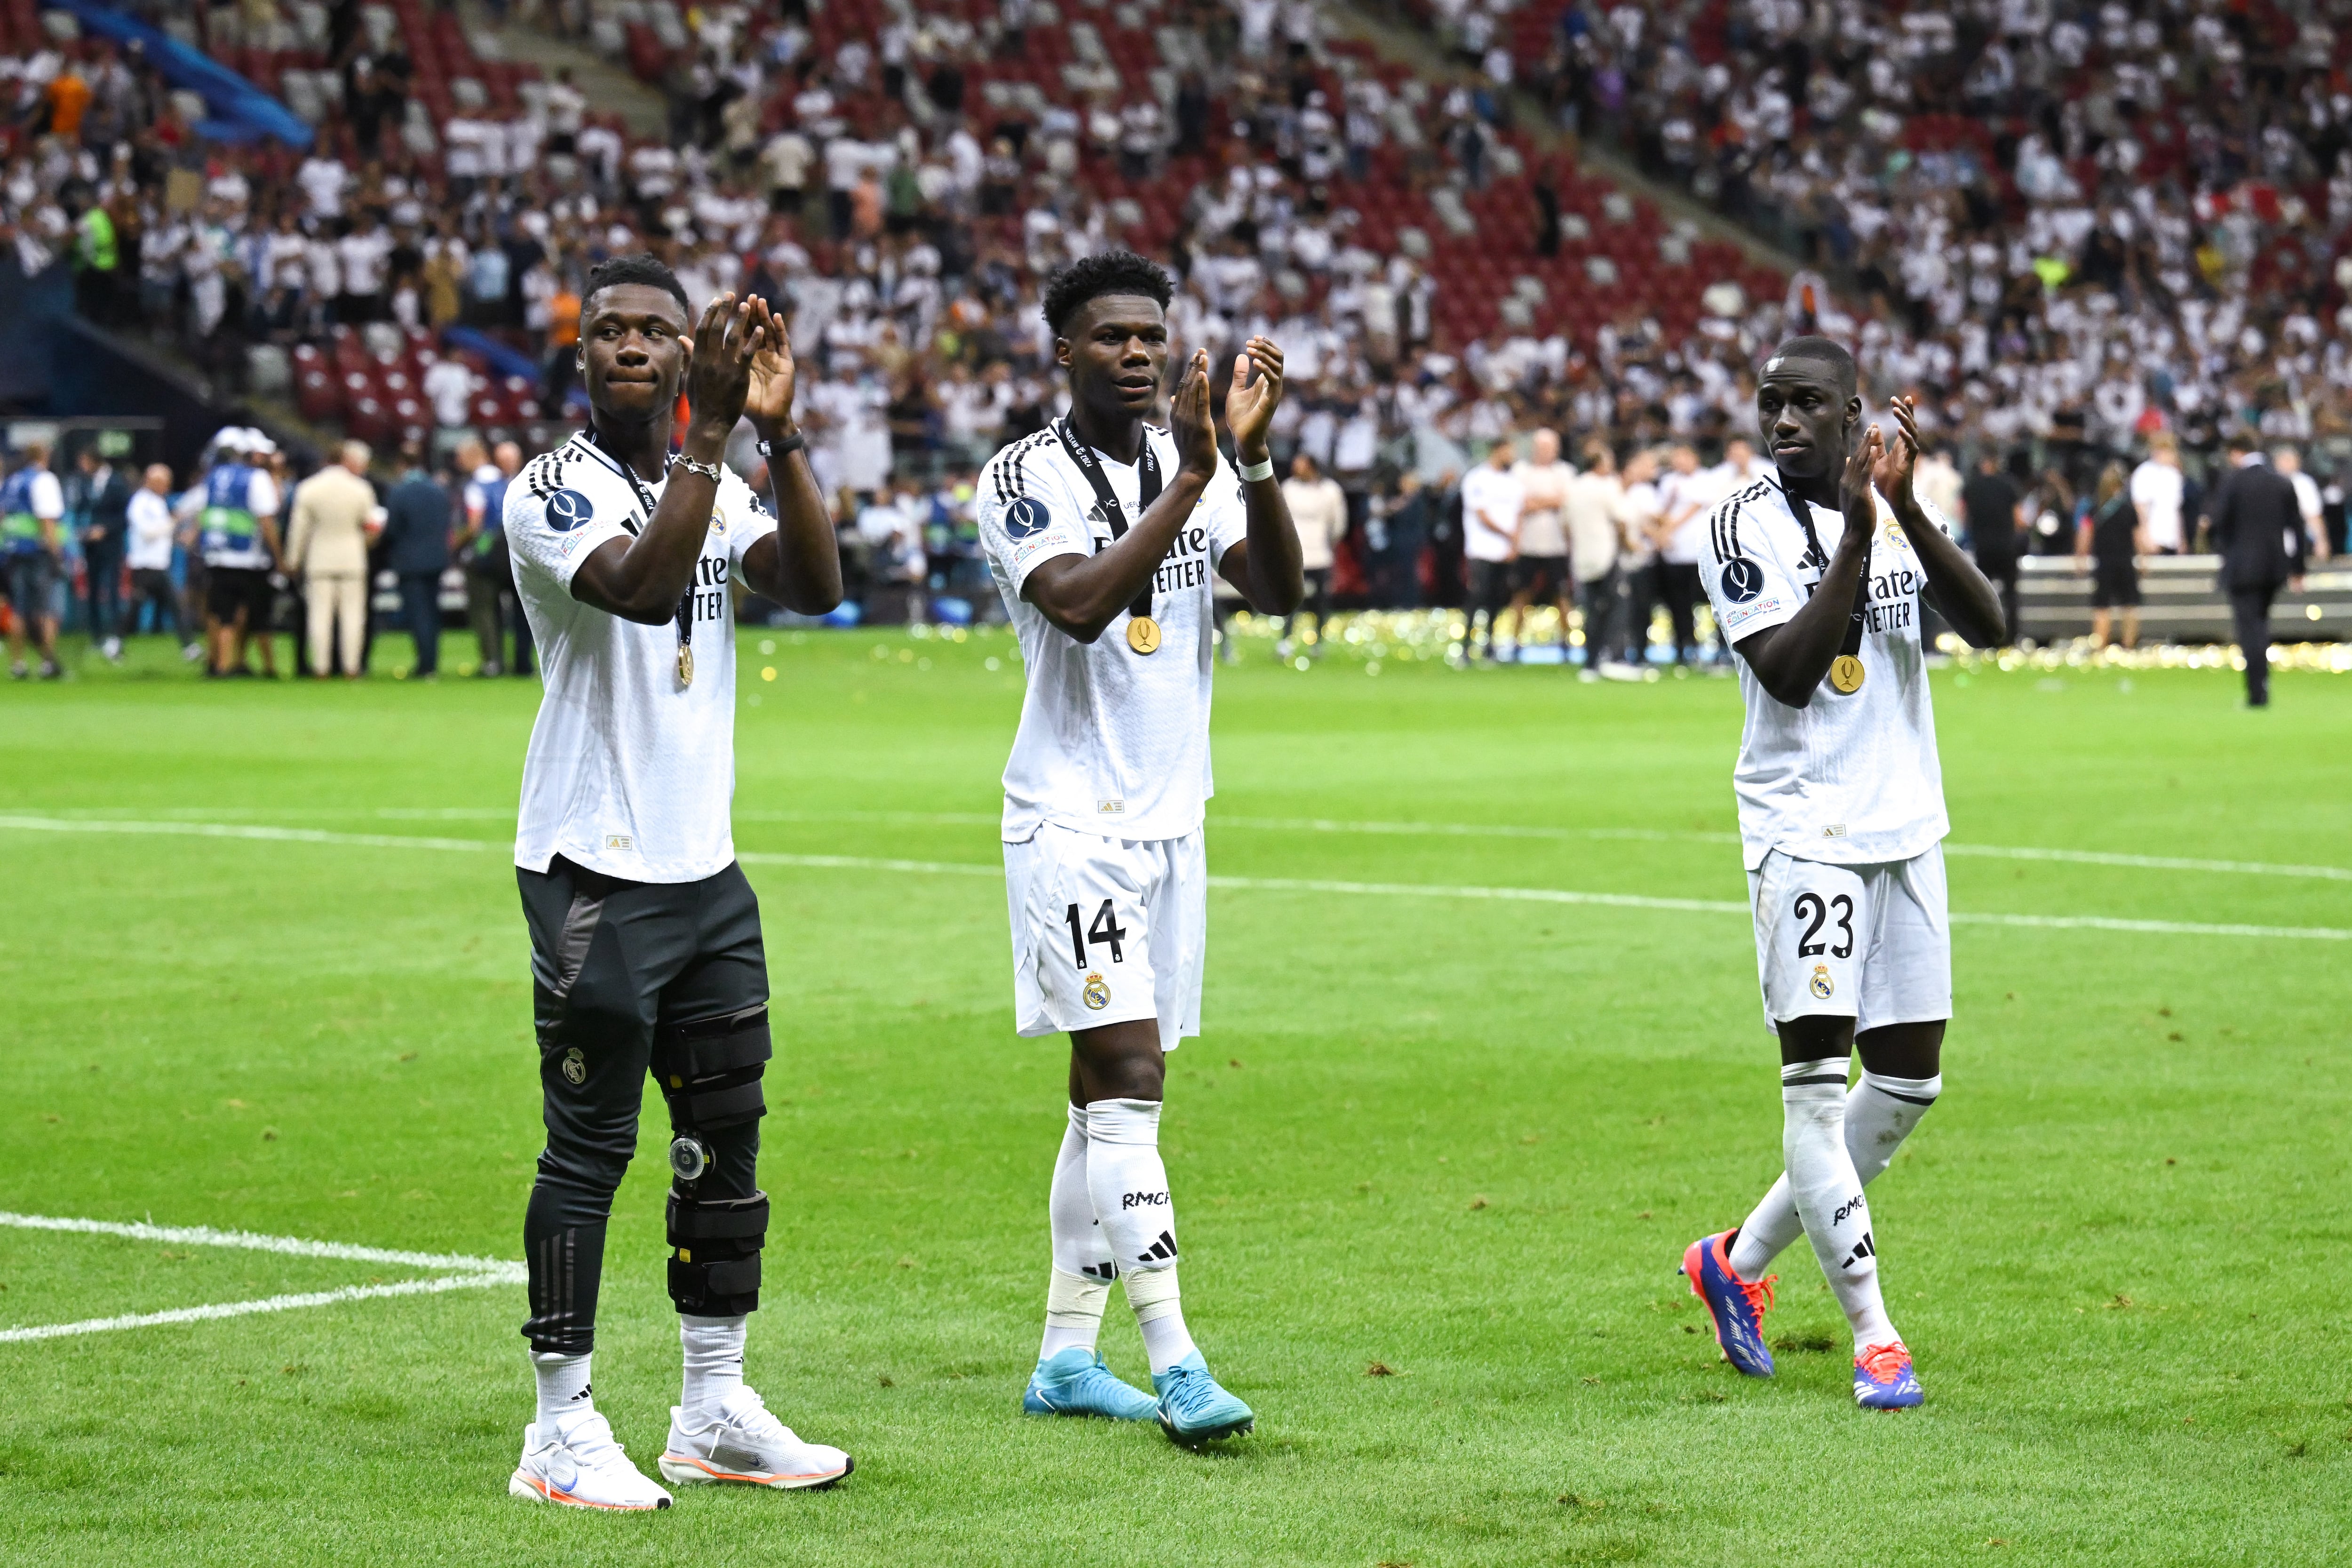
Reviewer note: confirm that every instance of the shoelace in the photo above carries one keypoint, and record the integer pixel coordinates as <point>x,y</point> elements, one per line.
<point>1758,1292</point>
<point>593,1444</point>
<point>1884,1363</point>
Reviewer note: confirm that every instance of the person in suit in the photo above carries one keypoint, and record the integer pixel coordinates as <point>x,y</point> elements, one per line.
<point>2256,527</point>
<point>100,495</point>
<point>416,546</point>
<point>1990,503</point>
<point>335,516</point>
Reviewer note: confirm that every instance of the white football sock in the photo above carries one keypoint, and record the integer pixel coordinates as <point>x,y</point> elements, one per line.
<point>1828,1193</point>
<point>562,1384</point>
<point>1879,1113</point>
<point>1129,1183</point>
<point>714,1361</point>
<point>1073,1311</point>
<point>1129,1186</point>
<point>1083,1267</point>
<point>1160,1313</point>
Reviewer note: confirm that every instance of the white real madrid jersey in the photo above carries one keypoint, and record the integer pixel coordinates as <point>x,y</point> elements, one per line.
<point>1111,741</point>
<point>1852,779</point>
<point>631,772</point>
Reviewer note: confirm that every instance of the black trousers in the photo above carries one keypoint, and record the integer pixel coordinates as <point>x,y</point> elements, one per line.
<point>102,567</point>
<point>611,961</point>
<point>1678,587</point>
<point>2003,576</point>
<point>2250,613</point>
<point>1318,603</point>
<point>420,606</point>
<point>1597,596</point>
<point>150,586</point>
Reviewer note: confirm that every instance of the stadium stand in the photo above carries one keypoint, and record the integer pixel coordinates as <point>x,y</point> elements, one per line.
<point>1997,222</point>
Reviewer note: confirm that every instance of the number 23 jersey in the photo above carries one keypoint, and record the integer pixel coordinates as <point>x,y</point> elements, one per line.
<point>1111,742</point>
<point>1853,778</point>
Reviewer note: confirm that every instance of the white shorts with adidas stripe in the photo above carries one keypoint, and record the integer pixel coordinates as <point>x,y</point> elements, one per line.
<point>1870,943</point>
<point>1107,931</point>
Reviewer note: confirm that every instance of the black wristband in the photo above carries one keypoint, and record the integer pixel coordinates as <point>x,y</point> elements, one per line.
<point>793,443</point>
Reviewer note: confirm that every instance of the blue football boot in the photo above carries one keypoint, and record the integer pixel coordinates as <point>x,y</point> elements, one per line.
<point>1075,1381</point>
<point>1737,1305</point>
<point>1193,1409</point>
<point>1883,1378</point>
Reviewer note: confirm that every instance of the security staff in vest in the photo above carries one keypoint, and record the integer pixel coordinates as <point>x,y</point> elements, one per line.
<point>645,942</point>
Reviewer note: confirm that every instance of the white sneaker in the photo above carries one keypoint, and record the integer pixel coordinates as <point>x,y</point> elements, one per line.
<point>113,648</point>
<point>575,1462</point>
<point>743,1444</point>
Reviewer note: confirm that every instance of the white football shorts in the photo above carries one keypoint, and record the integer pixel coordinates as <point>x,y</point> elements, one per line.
<point>1872,943</point>
<point>1106,931</point>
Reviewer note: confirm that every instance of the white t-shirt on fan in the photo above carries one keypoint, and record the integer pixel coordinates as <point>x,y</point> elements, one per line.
<point>1491,499</point>
<point>630,773</point>
<point>1111,742</point>
<point>1700,488</point>
<point>1853,779</point>
<point>1543,490</point>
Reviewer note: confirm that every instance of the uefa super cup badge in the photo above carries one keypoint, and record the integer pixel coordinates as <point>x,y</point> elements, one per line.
<point>1097,993</point>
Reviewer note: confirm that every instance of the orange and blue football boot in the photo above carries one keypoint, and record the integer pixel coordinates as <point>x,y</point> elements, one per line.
<point>1737,1305</point>
<point>1883,1378</point>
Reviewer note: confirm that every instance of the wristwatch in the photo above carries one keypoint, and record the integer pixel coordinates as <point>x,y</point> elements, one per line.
<point>793,443</point>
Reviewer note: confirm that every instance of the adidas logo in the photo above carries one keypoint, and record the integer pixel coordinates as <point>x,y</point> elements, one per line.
<point>1862,1249</point>
<point>586,1389</point>
<point>1106,1272</point>
<point>1133,1199</point>
<point>1163,1250</point>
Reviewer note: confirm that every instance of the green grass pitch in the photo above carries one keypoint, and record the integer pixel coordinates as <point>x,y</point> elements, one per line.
<point>1435,1158</point>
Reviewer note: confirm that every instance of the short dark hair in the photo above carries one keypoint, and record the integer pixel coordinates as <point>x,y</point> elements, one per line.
<point>1106,272</point>
<point>1822,351</point>
<point>640,267</point>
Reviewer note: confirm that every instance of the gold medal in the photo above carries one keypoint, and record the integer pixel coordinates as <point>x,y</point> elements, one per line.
<point>686,667</point>
<point>1143,634</point>
<point>1846,673</point>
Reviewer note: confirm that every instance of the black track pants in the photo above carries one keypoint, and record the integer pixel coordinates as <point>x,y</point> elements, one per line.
<point>611,961</point>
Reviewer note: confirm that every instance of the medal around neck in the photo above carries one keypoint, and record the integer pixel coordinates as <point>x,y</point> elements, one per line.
<point>1846,673</point>
<point>1143,634</point>
<point>686,667</point>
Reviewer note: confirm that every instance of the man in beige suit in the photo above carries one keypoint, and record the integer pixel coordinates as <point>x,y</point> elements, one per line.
<point>335,517</point>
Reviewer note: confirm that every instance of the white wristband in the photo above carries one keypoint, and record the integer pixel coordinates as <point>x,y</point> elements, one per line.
<point>1256,471</point>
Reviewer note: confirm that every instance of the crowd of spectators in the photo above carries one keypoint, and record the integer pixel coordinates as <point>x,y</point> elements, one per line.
<point>2084,260</point>
<point>2072,221</point>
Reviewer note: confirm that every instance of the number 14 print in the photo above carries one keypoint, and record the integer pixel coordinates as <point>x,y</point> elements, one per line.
<point>1106,931</point>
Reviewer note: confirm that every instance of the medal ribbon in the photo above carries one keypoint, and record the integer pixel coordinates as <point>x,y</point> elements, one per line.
<point>685,600</point>
<point>1147,491</point>
<point>1851,647</point>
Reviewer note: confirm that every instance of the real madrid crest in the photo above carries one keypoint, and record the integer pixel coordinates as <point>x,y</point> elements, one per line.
<point>1822,986</point>
<point>1096,992</point>
<point>575,1067</point>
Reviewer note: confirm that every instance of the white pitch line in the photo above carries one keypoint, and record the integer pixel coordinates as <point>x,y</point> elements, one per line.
<point>267,1304</point>
<point>1659,836</point>
<point>290,1246</point>
<point>1263,884</point>
<point>241,830</point>
<point>177,821</point>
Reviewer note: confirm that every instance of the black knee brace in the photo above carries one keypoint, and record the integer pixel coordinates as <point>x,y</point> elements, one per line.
<point>709,1074</point>
<point>714,1264</point>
